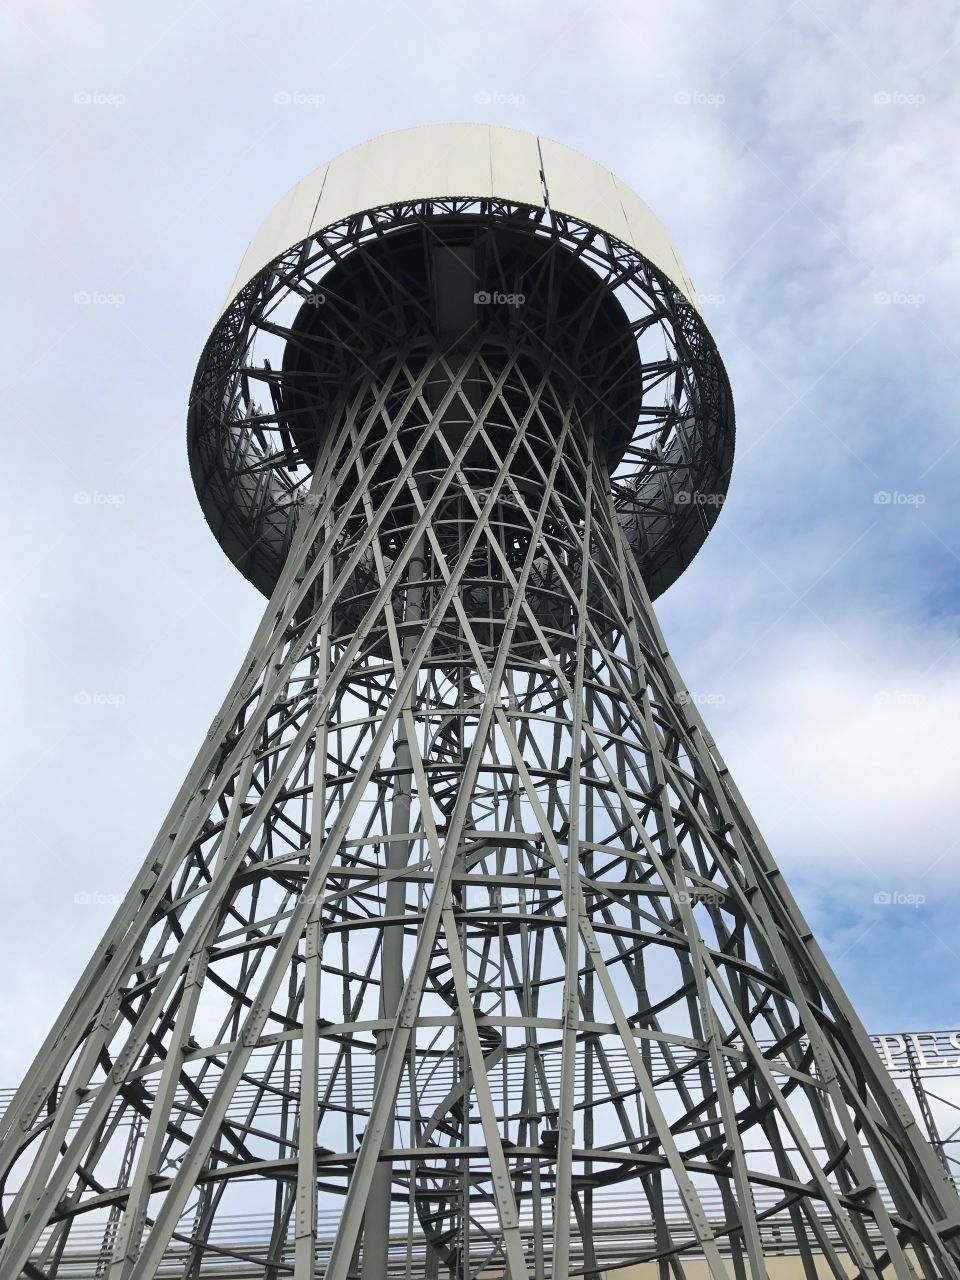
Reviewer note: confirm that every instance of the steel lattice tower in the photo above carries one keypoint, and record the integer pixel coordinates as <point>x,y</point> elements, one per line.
<point>459,944</point>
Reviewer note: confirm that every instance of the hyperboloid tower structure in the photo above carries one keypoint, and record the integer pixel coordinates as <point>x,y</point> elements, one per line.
<point>459,954</point>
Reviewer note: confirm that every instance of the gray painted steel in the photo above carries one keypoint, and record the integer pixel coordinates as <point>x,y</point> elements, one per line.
<point>249,472</point>
<point>459,929</point>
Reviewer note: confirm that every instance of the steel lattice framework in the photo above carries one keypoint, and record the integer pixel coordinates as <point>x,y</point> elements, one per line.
<point>459,927</point>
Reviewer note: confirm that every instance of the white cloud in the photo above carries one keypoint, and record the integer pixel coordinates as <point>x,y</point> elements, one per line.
<point>849,745</point>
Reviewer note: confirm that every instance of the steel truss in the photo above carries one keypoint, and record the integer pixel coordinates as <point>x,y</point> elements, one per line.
<point>459,928</point>
<point>927,1064</point>
<point>670,471</point>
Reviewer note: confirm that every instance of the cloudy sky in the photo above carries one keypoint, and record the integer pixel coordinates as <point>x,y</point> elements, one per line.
<point>804,160</point>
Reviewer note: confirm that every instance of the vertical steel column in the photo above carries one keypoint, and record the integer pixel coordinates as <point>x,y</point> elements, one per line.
<point>376,1218</point>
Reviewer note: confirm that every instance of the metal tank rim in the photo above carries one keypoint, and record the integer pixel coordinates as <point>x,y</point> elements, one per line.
<point>404,176</point>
